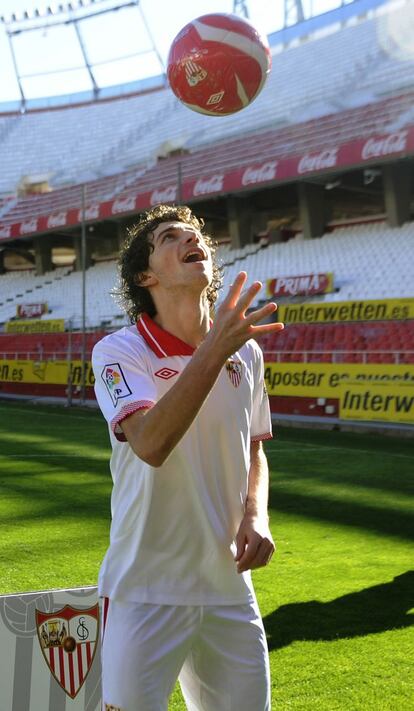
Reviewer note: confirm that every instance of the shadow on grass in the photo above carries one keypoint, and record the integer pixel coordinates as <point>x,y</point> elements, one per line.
<point>376,609</point>
<point>388,521</point>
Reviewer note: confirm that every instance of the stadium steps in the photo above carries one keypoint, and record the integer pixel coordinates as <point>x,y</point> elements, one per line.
<point>238,152</point>
<point>334,73</point>
<point>356,256</point>
<point>373,342</point>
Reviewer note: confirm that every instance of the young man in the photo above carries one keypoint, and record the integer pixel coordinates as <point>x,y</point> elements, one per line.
<point>186,406</point>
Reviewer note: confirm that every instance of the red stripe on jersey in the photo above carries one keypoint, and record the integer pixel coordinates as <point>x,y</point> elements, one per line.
<point>125,412</point>
<point>161,342</point>
<point>258,438</point>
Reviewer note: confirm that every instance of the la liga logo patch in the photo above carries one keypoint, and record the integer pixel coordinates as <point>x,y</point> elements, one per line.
<point>115,382</point>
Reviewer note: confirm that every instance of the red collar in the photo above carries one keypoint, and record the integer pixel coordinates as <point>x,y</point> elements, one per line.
<point>163,344</point>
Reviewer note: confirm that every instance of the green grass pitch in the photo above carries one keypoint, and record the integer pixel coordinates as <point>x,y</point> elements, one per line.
<point>337,596</point>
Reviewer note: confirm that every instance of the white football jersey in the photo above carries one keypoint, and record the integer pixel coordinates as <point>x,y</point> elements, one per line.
<point>173,527</point>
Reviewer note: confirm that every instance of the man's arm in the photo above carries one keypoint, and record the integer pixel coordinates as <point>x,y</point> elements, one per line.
<point>154,433</point>
<point>255,545</point>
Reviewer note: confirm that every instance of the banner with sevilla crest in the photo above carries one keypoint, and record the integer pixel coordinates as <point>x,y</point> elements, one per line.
<point>50,651</point>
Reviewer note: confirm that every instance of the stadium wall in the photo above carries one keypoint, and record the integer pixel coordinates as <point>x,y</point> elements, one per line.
<point>346,391</point>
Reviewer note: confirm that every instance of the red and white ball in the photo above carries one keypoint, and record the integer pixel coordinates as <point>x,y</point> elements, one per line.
<point>218,64</point>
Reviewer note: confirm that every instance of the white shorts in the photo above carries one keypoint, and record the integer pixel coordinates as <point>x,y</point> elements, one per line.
<point>219,654</point>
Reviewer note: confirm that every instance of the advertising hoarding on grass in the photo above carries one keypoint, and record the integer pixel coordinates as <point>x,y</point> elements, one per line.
<point>50,651</point>
<point>44,371</point>
<point>384,401</point>
<point>365,391</point>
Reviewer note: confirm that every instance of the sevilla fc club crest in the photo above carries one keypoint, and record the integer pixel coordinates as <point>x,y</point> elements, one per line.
<point>234,371</point>
<point>68,641</point>
<point>194,73</point>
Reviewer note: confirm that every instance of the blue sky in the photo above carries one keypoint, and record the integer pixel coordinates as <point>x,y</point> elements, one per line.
<point>112,42</point>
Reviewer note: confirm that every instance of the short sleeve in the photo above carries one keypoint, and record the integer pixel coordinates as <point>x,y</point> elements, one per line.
<point>261,422</point>
<point>123,382</point>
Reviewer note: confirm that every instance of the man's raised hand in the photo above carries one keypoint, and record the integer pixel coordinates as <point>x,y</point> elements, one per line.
<point>232,328</point>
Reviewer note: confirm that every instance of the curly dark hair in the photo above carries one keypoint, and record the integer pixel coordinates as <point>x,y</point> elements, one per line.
<point>134,259</point>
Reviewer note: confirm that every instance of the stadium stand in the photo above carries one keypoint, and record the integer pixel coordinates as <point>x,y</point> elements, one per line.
<point>364,342</point>
<point>358,256</point>
<point>333,104</point>
<point>46,346</point>
<point>345,70</point>
<point>61,290</point>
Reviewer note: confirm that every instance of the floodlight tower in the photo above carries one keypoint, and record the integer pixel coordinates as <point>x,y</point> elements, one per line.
<point>240,8</point>
<point>69,13</point>
<point>293,12</point>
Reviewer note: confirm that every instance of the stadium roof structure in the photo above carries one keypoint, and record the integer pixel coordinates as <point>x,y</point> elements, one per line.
<point>340,102</point>
<point>89,70</point>
<point>87,67</point>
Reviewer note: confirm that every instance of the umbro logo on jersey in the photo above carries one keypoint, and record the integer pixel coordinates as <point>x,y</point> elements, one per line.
<point>234,370</point>
<point>166,373</point>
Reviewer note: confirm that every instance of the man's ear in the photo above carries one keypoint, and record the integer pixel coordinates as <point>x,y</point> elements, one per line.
<point>146,279</point>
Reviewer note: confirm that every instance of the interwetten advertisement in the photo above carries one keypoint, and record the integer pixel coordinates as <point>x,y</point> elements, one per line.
<point>56,325</point>
<point>364,310</point>
<point>365,391</point>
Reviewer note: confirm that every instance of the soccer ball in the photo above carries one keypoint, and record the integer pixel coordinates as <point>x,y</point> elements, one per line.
<point>218,64</point>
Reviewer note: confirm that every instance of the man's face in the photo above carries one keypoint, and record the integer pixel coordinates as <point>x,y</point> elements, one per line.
<point>180,258</point>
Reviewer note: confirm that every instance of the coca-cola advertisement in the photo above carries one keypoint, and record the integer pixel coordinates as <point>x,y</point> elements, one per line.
<point>254,174</point>
<point>167,194</point>
<point>126,204</point>
<point>31,310</point>
<point>58,220</point>
<point>385,145</point>
<point>229,179</point>
<point>303,285</point>
<point>5,231</point>
<point>206,186</point>
<point>323,160</point>
<point>28,226</point>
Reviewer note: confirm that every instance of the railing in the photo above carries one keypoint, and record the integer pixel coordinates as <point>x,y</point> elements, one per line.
<point>308,356</point>
<point>338,356</point>
<point>40,356</point>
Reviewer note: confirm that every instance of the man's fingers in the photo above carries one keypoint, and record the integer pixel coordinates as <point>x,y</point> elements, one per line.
<point>256,558</point>
<point>266,328</point>
<point>241,545</point>
<point>247,297</point>
<point>257,554</point>
<point>248,556</point>
<point>235,290</point>
<point>263,555</point>
<point>261,313</point>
